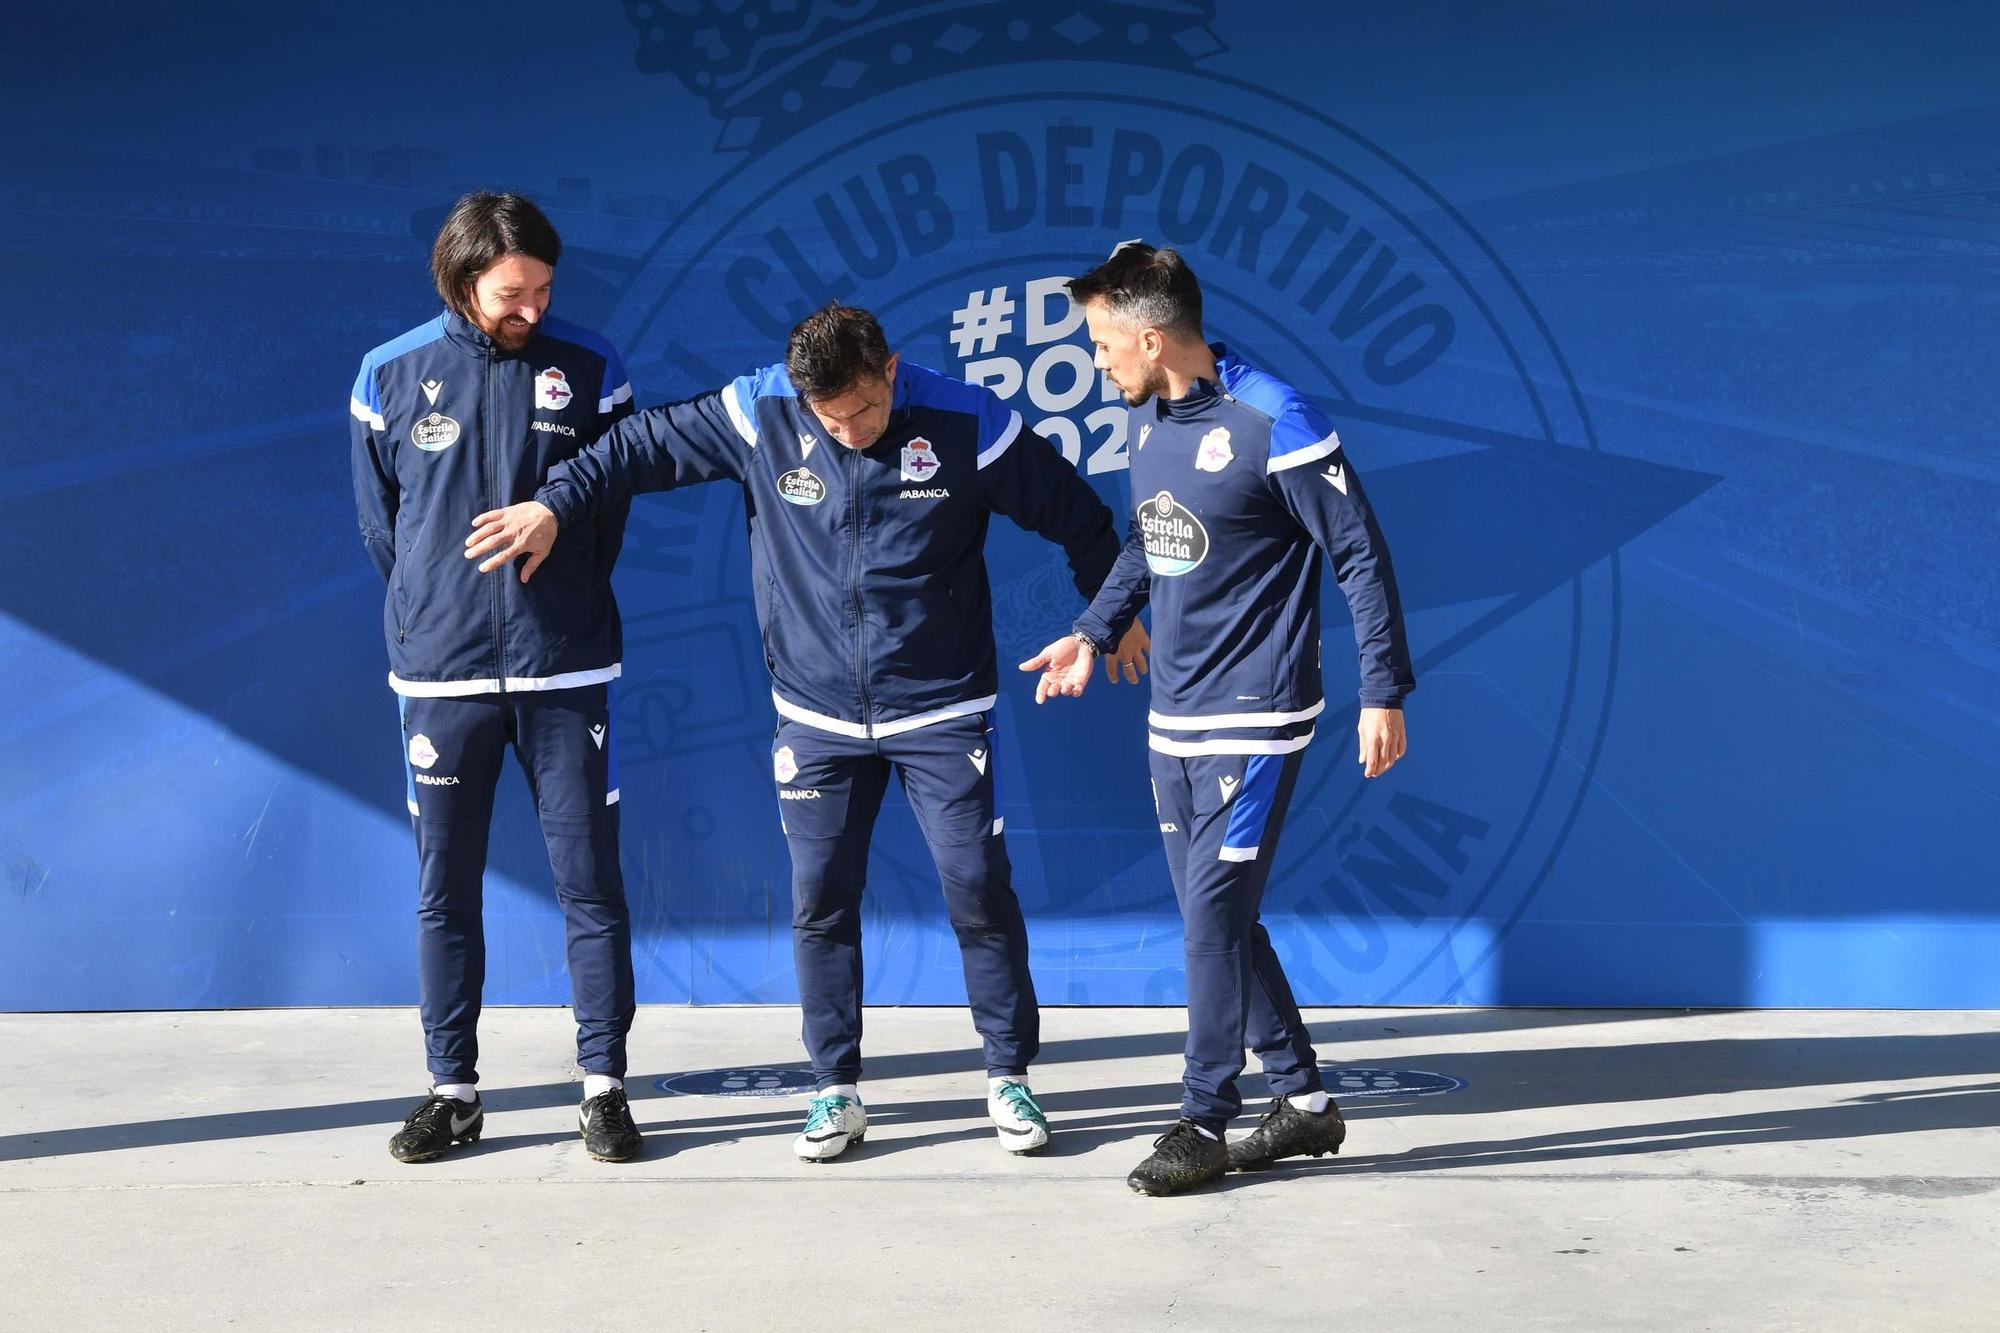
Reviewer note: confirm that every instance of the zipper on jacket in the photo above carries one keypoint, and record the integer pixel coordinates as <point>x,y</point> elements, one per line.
<point>853,464</point>
<point>487,436</point>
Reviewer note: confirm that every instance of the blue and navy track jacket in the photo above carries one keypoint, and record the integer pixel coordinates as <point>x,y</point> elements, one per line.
<point>1236,489</point>
<point>868,565</point>
<point>448,424</point>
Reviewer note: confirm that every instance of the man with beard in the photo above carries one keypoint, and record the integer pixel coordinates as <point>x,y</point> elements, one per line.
<point>1238,486</point>
<point>461,414</point>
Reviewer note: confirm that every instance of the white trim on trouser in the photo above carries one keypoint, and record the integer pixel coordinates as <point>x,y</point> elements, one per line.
<point>1312,453</point>
<point>611,798</point>
<point>999,446</point>
<point>1188,749</point>
<point>453,689</point>
<point>1237,854</point>
<point>999,824</point>
<point>840,727</point>
<point>1216,721</point>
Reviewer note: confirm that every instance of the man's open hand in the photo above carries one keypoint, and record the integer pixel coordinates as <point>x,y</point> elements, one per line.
<point>526,529</point>
<point>1065,668</point>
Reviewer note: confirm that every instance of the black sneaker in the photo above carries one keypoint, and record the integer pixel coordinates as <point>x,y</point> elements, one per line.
<point>433,1129</point>
<point>1183,1159</point>
<point>608,1132</point>
<point>1288,1130</point>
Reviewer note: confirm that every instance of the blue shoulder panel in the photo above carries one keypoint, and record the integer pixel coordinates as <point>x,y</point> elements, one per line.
<point>421,336</point>
<point>1300,432</point>
<point>919,386</point>
<point>770,382</point>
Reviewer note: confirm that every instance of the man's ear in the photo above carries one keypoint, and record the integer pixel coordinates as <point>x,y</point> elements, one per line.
<point>889,369</point>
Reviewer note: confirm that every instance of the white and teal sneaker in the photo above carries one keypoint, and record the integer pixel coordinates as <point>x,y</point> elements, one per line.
<point>834,1124</point>
<point>1019,1121</point>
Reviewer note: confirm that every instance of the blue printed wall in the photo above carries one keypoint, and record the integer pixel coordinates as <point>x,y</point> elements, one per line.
<point>1665,336</point>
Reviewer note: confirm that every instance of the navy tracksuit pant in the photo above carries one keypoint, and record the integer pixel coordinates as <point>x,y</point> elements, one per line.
<point>1220,816</point>
<point>452,752</point>
<point>830,788</point>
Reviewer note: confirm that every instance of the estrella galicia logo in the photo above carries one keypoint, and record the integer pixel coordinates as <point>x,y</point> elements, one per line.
<point>434,432</point>
<point>1175,539</point>
<point>950,167</point>
<point>801,487</point>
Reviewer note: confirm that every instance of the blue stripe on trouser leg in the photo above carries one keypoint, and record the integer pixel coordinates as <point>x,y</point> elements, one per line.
<point>1235,987</point>
<point>1250,809</point>
<point>947,770</point>
<point>564,740</point>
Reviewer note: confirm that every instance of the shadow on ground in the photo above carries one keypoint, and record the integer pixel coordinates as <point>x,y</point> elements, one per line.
<point>1496,1082</point>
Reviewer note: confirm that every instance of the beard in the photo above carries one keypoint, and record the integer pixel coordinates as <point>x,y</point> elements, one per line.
<point>510,333</point>
<point>1153,385</point>
<point>513,334</point>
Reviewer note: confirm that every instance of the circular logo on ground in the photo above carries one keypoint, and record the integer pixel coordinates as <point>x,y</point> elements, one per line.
<point>953,194</point>
<point>1358,1081</point>
<point>749,1081</point>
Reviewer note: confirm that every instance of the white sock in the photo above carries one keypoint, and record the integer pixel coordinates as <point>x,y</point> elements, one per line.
<point>596,1085</point>
<point>465,1092</point>
<point>847,1090</point>
<point>993,1083</point>
<point>1208,1134</point>
<point>1316,1101</point>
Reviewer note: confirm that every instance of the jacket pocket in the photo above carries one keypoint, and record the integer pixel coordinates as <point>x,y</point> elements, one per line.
<point>399,601</point>
<point>771,621</point>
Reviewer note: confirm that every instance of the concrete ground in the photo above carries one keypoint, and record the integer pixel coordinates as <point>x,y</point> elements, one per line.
<point>1596,1170</point>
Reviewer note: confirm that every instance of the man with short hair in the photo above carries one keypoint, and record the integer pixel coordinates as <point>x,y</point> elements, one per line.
<point>1239,484</point>
<point>869,577</point>
<point>462,414</point>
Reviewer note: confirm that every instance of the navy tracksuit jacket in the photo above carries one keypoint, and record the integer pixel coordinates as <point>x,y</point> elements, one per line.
<point>1238,489</point>
<point>448,424</point>
<point>869,578</point>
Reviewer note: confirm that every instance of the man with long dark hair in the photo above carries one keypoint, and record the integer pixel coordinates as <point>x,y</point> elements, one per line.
<point>464,413</point>
<point>1239,486</point>
<point>870,482</point>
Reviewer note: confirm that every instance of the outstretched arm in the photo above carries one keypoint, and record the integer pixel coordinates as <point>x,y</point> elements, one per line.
<point>677,444</point>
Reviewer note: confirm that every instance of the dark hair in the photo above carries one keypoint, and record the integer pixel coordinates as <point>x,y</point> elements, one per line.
<point>1152,288</point>
<point>833,348</point>
<point>480,229</point>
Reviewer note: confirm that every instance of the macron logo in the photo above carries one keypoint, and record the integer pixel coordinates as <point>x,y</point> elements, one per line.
<point>1335,478</point>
